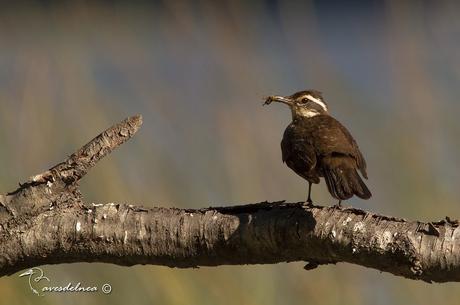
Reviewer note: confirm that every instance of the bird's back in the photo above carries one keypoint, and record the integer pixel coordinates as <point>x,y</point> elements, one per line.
<point>330,137</point>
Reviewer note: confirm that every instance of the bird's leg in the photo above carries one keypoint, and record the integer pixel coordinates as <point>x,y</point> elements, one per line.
<point>338,205</point>
<point>309,201</point>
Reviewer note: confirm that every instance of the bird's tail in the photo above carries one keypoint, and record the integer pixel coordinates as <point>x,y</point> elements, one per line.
<point>342,179</point>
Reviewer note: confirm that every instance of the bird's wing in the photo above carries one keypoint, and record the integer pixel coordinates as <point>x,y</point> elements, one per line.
<point>336,140</point>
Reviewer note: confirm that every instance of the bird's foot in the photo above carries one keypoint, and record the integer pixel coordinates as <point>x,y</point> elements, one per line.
<point>338,205</point>
<point>309,202</point>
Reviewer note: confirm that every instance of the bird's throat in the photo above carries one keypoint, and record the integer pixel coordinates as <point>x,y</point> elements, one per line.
<point>301,112</point>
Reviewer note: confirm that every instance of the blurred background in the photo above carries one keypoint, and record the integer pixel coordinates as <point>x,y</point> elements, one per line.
<point>197,73</point>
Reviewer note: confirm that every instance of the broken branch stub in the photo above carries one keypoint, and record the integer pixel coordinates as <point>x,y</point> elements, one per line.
<point>58,184</point>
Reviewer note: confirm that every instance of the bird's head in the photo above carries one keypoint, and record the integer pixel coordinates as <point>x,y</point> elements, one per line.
<point>308,103</point>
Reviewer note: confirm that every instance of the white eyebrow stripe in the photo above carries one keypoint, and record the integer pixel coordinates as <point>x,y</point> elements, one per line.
<point>317,101</point>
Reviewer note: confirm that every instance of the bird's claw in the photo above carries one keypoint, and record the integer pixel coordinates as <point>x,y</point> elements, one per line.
<point>338,205</point>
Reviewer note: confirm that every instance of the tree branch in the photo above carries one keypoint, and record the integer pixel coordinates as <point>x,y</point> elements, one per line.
<point>45,221</point>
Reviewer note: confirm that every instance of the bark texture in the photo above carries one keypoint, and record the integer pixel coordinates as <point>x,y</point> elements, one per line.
<point>45,221</point>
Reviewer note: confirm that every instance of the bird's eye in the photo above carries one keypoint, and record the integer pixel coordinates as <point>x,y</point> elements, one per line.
<point>304,100</point>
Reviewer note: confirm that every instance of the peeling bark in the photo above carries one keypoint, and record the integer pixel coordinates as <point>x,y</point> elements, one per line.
<point>45,221</point>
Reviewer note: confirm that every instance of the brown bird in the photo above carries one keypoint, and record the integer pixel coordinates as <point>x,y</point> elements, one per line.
<point>316,145</point>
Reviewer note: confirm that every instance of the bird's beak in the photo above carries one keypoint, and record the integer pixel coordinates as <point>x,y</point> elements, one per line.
<point>280,99</point>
